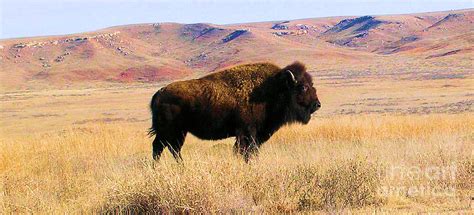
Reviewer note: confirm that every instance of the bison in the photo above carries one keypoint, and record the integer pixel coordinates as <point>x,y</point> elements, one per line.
<point>249,102</point>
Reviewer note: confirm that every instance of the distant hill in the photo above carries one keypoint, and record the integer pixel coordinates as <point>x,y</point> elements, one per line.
<point>335,46</point>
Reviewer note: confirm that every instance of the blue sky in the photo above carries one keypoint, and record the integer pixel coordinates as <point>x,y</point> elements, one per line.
<point>25,18</point>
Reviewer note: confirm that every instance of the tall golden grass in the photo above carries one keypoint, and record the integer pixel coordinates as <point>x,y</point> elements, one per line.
<point>356,163</point>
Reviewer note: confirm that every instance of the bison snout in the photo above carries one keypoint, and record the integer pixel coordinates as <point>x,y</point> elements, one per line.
<point>315,106</point>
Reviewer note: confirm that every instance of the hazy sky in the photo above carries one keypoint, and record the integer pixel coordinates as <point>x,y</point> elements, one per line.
<point>24,18</point>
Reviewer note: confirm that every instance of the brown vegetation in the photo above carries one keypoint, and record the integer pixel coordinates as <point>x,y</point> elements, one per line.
<point>333,164</point>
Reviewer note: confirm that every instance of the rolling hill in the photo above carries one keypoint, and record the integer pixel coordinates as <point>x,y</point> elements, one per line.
<point>412,46</point>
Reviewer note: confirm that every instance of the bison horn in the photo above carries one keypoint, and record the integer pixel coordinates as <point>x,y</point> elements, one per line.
<point>292,76</point>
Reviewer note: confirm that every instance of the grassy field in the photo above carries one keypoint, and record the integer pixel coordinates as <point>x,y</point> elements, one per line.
<point>359,163</point>
<point>376,145</point>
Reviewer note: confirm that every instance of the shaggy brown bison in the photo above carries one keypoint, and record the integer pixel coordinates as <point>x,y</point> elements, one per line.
<point>249,102</point>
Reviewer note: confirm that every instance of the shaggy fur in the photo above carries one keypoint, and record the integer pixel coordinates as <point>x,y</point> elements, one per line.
<point>249,102</point>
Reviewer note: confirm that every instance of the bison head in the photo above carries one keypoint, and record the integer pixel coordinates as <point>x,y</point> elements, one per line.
<point>303,100</point>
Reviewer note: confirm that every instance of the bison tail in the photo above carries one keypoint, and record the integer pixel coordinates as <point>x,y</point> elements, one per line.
<point>151,132</point>
<point>154,112</point>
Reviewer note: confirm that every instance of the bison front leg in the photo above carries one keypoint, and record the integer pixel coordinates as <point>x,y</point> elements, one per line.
<point>246,146</point>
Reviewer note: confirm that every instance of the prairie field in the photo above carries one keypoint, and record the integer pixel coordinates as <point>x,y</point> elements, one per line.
<point>378,146</point>
<point>345,163</point>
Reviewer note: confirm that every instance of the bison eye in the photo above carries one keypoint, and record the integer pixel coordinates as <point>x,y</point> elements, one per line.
<point>303,88</point>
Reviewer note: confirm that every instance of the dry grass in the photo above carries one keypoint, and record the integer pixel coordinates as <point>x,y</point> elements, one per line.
<point>333,164</point>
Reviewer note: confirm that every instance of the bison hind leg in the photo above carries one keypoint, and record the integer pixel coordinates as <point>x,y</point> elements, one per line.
<point>173,140</point>
<point>158,146</point>
<point>175,144</point>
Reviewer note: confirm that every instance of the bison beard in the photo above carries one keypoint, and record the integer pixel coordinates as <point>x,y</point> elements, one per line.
<point>249,102</point>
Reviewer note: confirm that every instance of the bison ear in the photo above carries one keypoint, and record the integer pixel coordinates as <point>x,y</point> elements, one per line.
<point>290,79</point>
